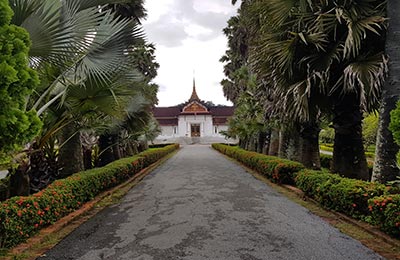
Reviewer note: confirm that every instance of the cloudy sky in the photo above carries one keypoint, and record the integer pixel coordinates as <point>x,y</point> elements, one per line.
<point>188,37</point>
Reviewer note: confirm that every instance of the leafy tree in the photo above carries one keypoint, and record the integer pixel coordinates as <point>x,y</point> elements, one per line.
<point>17,81</point>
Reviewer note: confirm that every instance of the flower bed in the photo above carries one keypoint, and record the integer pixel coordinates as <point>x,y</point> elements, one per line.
<point>344,195</point>
<point>277,169</point>
<point>385,213</point>
<point>22,217</point>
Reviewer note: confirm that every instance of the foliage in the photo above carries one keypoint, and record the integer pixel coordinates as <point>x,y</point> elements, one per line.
<point>385,212</point>
<point>327,135</point>
<point>326,161</point>
<point>22,217</point>
<point>345,195</point>
<point>17,82</point>
<point>95,69</point>
<point>277,169</point>
<point>4,188</point>
<point>370,129</point>
<point>394,125</point>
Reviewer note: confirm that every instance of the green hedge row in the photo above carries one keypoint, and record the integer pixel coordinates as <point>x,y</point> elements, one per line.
<point>372,202</point>
<point>340,194</point>
<point>22,217</point>
<point>385,213</point>
<point>277,169</point>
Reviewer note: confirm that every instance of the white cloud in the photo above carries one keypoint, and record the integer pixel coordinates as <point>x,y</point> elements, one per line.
<point>188,36</point>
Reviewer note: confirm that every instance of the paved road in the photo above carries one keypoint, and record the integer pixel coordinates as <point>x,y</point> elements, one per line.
<point>200,206</point>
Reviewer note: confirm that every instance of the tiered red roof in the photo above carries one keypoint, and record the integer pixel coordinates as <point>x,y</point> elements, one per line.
<point>169,115</point>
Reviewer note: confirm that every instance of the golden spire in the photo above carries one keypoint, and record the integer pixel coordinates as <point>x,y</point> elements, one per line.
<point>194,96</point>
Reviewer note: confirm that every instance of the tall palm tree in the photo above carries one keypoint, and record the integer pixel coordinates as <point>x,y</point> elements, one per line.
<point>385,165</point>
<point>324,57</point>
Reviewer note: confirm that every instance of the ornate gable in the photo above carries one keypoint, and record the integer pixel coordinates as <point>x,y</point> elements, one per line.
<point>195,107</point>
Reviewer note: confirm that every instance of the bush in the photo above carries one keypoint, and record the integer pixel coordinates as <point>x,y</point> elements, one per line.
<point>344,195</point>
<point>22,217</point>
<point>326,160</point>
<point>327,135</point>
<point>277,169</point>
<point>385,212</point>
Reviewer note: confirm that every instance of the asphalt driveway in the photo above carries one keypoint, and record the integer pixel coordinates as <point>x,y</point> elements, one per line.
<point>200,205</point>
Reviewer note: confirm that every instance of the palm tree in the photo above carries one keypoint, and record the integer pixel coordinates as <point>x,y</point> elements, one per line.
<point>84,55</point>
<point>323,58</point>
<point>385,165</point>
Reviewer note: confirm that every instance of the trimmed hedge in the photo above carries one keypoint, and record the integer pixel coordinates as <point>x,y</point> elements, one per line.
<point>385,213</point>
<point>277,169</point>
<point>344,195</point>
<point>22,217</point>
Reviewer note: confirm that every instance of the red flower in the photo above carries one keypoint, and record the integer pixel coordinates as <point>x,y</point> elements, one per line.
<point>19,213</point>
<point>354,205</point>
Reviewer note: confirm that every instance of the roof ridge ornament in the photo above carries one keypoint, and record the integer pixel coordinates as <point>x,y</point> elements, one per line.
<point>194,96</point>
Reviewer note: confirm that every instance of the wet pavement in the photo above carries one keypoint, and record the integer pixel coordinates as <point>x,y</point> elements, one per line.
<point>199,205</point>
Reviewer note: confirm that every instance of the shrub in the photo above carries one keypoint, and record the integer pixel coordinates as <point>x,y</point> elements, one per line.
<point>277,169</point>
<point>385,212</point>
<point>344,195</point>
<point>326,160</point>
<point>22,217</point>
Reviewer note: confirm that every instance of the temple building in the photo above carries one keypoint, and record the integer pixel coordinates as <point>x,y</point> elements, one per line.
<point>193,122</point>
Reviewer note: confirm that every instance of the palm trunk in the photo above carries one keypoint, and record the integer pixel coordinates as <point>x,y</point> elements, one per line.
<point>87,159</point>
<point>261,142</point>
<point>274,143</point>
<point>348,152</point>
<point>309,146</point>
<point>107,155</point>
<point>71,153</point>
<point>252,144</point>
<point>116,147</point>
<point>284,138</point>
<point>294,145</point>
<point>267,142</point>
<point>385,165</point>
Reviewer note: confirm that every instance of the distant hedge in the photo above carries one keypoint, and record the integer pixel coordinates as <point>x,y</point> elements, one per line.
<point>22,217</point>
<point>277,169</point>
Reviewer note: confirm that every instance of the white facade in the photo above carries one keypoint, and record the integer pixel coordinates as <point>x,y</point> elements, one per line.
<point>193,122</point>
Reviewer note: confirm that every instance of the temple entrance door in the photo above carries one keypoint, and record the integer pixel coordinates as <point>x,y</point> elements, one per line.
<point>195,130</point>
